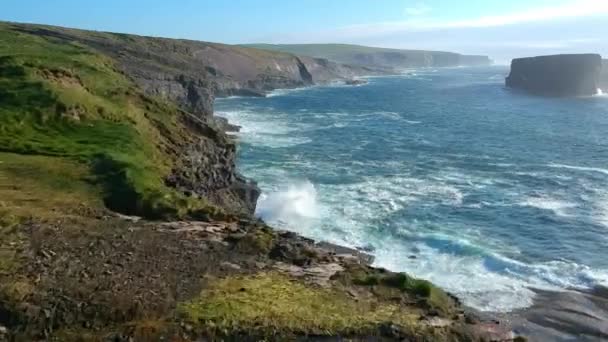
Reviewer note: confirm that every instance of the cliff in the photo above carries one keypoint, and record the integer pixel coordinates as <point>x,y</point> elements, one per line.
<point>604,76</point>
<point>191,74</point>
<point>122,216</point>
<point>558,75</point>
<point>378,57</point>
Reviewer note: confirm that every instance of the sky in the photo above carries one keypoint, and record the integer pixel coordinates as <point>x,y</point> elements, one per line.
<point>498,28</point>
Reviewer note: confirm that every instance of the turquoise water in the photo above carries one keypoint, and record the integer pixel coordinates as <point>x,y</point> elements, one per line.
<point>441,173</point>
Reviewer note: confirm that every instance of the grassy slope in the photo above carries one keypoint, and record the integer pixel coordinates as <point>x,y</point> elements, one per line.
<point>65,102</point>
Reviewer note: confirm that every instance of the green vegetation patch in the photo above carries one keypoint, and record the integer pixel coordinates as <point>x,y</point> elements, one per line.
<point>262,240</point>
<point>61,99</point>
<point>271,302</point>
<point>386,284</point>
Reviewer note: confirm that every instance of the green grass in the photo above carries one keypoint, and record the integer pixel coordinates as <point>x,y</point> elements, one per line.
<point>270,302</point>
<point>386,283</point>
<point>44,187</point>
<point>62,100</point>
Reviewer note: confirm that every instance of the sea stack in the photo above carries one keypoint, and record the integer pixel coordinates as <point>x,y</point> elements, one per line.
<point>557,75</point>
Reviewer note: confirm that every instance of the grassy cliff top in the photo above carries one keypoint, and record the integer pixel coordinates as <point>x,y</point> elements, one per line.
<point>68,112</point>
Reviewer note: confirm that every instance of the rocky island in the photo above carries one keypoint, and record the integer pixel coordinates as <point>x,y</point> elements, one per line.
<point>122,216</point>
<point>557,75</point>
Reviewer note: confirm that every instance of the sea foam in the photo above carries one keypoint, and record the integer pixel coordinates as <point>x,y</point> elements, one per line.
<point>270,130</point>
<point>558,207</point>
<point>485,281</point>
<point>579,168</point>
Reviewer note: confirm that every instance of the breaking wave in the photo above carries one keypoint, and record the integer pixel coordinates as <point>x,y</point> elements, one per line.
<point>291,206</point>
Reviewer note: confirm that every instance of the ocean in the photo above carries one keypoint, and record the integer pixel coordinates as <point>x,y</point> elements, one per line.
<point>441,173</point>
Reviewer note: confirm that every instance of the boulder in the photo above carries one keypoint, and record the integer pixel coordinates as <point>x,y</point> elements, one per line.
<point>557,75</point>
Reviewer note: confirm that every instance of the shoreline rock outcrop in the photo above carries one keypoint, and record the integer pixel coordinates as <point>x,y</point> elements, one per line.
<point>557,75</point>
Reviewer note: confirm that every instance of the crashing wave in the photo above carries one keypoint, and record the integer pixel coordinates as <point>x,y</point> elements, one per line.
<point>291,206</point>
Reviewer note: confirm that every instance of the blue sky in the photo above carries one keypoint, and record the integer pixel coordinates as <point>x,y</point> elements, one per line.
<point>502,29</point>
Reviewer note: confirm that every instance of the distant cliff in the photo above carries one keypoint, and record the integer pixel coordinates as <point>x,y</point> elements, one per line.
<point>557,75</point>
<point>378,57</point>
<point>604,76</point>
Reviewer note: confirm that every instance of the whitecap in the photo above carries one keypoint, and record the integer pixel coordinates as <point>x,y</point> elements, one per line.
<point>265,129</point>
<point>557,206</point>
<point>579,168</point>
<point>282,92</point>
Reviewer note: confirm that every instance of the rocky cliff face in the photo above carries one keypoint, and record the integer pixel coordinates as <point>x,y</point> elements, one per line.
<point>604,76</point>
<point>558,75</point>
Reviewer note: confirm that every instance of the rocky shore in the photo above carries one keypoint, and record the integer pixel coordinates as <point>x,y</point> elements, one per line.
<point>573,315</point>
<point>122,216</point>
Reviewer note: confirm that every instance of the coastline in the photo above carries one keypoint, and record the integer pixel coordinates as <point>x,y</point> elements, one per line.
<point>185,258</point>
<point>525,321</point>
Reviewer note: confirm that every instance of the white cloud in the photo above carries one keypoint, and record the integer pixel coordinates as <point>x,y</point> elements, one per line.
<point>417,10</point>
<point>571,9</point>
<point>572,26</point>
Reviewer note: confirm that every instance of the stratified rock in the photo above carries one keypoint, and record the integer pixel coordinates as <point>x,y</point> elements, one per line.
<point>557,75</point>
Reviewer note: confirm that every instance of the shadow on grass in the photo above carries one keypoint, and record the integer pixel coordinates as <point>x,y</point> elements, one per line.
<point>122,194</point>
<point>119,194</point>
